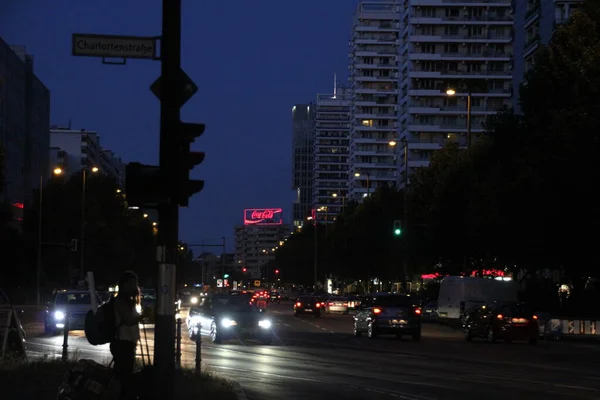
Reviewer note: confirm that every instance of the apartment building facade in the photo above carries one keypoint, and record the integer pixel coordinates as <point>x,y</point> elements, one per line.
<point>331,152</point>
<point>373,66</point>
<point>535,22</point>
<point>302,161</point>
<point>451,53</point>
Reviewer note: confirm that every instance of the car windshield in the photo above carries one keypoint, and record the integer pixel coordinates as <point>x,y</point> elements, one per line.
<point>148,296</point>
<point>392,301</point>
<point>73,298</point>
<point>232,303</point>
<point>306,299</point>
<point>515,310</point>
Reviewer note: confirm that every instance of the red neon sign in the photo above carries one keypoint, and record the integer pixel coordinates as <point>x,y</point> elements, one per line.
<point>19,205</point>
<point>263,216</point>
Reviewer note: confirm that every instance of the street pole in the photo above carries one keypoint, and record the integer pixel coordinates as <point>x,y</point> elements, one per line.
<point>223,263</point>
<point>405,218</point>
<point>82,235</point>
<point>168,213</point>
<point>316,250</point>
<point>39,244</point>
<point>469,96</point>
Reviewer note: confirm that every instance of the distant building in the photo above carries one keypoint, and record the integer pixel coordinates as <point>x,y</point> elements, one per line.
<point>374,68</point>
<point>73,150</point>
<point>535,22</point>
<point>302,159</point>
<point>255,246</point>
<point>24,126</point>
<point>331,150</point>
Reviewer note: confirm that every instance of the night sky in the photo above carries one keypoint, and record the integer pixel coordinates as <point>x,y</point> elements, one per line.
<point>252,60</point>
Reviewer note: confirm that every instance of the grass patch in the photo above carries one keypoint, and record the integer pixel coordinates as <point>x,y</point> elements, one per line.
<point>39,380</point>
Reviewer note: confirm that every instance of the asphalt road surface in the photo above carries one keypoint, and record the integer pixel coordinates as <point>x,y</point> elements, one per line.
<point>319,358</point>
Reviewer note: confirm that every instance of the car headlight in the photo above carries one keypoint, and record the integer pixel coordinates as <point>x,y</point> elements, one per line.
<point>194,300</point>
<point>59,315</point>
<point>265,324</point>
<point>227,323</point>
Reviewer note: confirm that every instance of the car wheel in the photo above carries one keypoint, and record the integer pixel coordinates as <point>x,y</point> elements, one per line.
<point>416,337</point>
<point>214,334</point>
<point>355,330</point>
<point>468,335</point>
<point>491,336</point>
<point>371,332</point>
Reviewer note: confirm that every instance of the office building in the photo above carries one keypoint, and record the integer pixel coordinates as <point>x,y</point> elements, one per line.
<point>72,150</point>
<point>24,127</point>
<point>255,247</point>
<point>464,47</point>
<point>535,22</point>
<point>374,51</point>
<point>302,159</point>
<point>331,152</point>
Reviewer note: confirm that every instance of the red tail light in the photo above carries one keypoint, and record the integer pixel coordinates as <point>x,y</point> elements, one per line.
<point>377,311</point>
<point>535,317</point>
<point>298,304</point>
<point>499,316</point>
<point>345,304</point>
<point>418,311</point>
<point>330,304</point>
<point>318,305</point>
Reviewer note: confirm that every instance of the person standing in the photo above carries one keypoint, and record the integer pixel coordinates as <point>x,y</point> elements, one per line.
<point>123,347</point>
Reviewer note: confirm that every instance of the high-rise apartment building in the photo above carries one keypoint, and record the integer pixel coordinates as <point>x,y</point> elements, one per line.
<point>535,22</point>
<point>374,52</point>
<point>24,126</point>
<point>302,159</point>
<point>331,151</point>
<point>466,47</point>
<point>73,149</point>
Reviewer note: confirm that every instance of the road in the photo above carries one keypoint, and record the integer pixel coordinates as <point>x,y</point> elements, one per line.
<point>320,358</point>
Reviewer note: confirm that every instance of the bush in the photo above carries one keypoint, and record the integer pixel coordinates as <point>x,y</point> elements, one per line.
<point>40,380</point>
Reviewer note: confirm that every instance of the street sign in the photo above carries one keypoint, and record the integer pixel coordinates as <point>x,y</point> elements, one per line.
<point>257,283</point>
<point>219,282</point>
<point>114,46</point>
<point>186,88</point>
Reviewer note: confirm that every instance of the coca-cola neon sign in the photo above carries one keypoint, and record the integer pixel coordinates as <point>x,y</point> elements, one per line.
<point>263,216</point>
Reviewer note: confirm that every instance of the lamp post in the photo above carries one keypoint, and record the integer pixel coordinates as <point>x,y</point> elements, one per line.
<point>452,92</point>
<point>357,174</point>
<point>55,171</point>
<point>82,244</point>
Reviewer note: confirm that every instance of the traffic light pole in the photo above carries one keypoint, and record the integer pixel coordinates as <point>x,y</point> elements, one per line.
<point>168,213</point>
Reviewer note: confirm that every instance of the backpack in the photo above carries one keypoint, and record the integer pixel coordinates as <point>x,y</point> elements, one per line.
<point>101,327</point>
<point>87,380</point>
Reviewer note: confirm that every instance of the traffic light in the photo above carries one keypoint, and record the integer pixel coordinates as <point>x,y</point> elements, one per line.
<point>226,276</point>
<point>244,270</point>
<point>277,271</point>
<point>397,228</point>
<point>188,159</point>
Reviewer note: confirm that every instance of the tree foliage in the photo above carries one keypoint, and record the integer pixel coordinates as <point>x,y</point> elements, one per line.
<point>523,198</point>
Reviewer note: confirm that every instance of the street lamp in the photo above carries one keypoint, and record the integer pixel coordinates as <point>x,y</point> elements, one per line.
<point>357,174</point>
<point>56,171</point>
<point>81,245</point>
<point>452,92</point>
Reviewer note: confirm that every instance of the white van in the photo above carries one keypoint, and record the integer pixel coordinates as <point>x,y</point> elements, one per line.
<point>461,293</point>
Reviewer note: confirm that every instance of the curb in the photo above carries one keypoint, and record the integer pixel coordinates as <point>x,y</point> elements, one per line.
<point>239,392</point>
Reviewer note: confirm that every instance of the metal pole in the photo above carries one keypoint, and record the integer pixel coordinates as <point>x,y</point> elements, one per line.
<point>168,214</point>
<point>368,186</point>
<point>39,244</point>
<point>81,245</point>
<point>316,250</point>
<point>469,120</point>
<point>65,346</point>
<point>405,220</point>
<point>199,349</point>
<point>178,344</point>
<point>223,263</point>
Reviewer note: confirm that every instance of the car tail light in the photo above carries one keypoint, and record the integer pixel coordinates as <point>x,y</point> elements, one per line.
<point>318,305</point>
<point>535,317</point>
<point>345,304</point>
<point>330,304</point>
<point>499,316</point>
<point>418,311</point>
<point>298,304</point>
<point>377,311</point>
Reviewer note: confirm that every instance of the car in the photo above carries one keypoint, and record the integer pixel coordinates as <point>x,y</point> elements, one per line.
<point>224,317</point>
<point>71,306</point>
<point>337,305</point>
<point>388,314</point>
<point>502,321</point>
<point>275,297</point>
<point>308,305</point>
